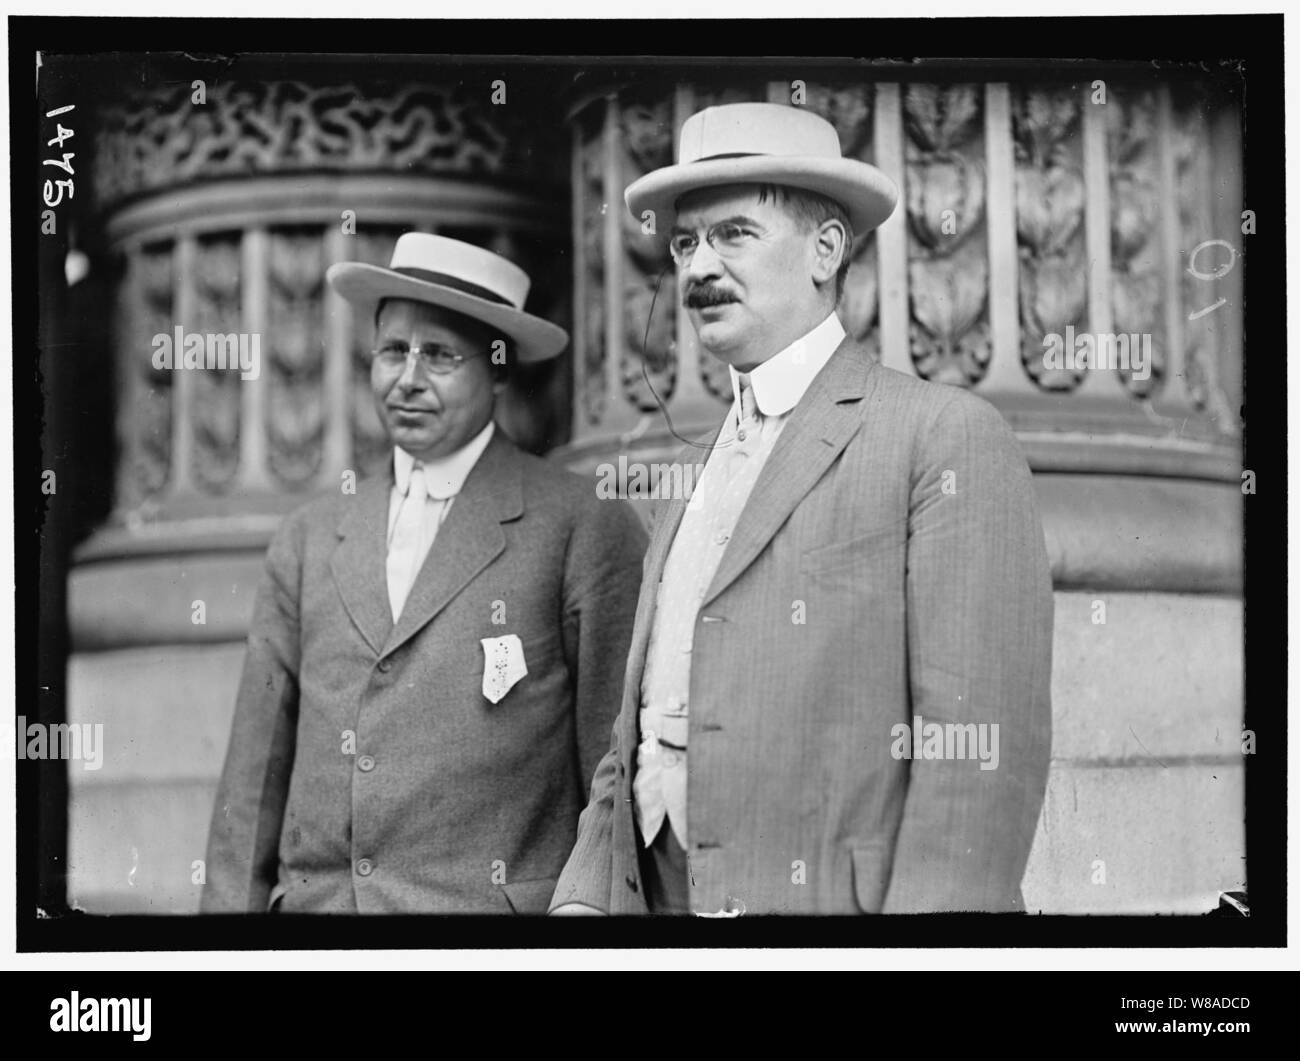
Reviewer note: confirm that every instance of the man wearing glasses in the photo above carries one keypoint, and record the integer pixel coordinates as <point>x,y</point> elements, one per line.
<point>435,659</point>
<point>837,698</point>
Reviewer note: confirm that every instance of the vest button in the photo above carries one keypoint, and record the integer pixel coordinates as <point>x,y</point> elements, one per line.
<point>385,665</point>
<point>365,867</point>
<point>366,763</point>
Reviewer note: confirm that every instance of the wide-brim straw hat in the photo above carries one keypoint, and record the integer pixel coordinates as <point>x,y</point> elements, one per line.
<point>763,143</point>
<point>458,276</point>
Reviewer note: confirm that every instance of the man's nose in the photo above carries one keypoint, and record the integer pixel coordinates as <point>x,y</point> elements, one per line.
<point>705,263</point>
<point>412,373</point>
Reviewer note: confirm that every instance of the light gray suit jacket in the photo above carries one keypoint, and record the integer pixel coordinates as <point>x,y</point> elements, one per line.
<point>889,564</point>
<point>366,770</point>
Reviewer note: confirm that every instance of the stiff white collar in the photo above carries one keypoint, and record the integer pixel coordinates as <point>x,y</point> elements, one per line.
<point>781,380</point>
<point>443,476</point>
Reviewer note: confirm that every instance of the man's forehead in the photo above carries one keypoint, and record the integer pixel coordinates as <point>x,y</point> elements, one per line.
<point>724,200</point>
<point>415,312</point>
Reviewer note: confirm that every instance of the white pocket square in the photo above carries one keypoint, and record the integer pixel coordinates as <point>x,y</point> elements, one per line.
<point>503,665</point>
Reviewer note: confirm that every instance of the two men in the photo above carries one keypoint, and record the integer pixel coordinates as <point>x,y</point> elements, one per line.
<point>435,660</point>
<point>861,562</point>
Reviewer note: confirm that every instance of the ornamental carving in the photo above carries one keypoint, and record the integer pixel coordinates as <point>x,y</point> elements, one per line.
<point>294,355</point>
<point>647,365</point>
<point>144,309</point>
<point>157,137</point>
<point>1206,331</point>
<point>1137,302</point>
<point>948,250</point>
<point>591,272</point>
<point>215,398</point>
<point>1049,226</point>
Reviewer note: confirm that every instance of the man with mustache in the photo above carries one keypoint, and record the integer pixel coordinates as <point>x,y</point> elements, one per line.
<point>435,659</point>
<point>862,558</point>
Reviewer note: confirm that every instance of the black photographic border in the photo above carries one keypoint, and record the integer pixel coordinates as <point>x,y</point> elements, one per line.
<point>1244,47</point>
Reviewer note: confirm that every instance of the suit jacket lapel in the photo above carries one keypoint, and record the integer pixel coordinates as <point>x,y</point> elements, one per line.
<point>359,564</point>
<point>469,539</point>
<point>819,428</point>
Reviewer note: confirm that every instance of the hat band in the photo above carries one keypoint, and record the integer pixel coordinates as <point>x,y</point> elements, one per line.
<point>454,282</point>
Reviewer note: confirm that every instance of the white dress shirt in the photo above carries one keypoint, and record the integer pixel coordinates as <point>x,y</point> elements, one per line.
<point>413,522</point>
<point>741,450</point>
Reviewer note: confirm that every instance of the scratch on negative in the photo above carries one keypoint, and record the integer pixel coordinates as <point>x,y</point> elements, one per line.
<point>1146,749</point>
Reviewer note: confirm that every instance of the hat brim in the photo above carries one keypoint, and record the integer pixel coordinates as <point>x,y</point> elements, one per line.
<point>365,286</point>
<point>865,192</point>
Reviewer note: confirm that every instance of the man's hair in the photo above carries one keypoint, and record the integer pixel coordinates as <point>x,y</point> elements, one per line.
<point>812,209</point>
<point>482,332</point>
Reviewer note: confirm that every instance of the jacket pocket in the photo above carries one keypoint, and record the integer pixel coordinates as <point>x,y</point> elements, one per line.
<point>861,551</point>
<point>871,865</point>
<point>530,896</point>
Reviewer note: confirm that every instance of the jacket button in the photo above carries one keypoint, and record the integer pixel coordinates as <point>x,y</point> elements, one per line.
<point>385,665</point>
<point>365,867</point>
<point>631,883</point>
<point>366,763</point>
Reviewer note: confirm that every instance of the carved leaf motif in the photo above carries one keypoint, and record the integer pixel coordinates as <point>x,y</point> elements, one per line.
<point>948,300</point>
<point>658,356</point>
<point>1053,293</point>
<point>939,183</point>
<point>940,117</point>
<point>1130,126</point>
<point>848,108</point>
<point>1049,207</point>
<point>1042,119</point>
<point>647,135</point>
<point>1134,209</point>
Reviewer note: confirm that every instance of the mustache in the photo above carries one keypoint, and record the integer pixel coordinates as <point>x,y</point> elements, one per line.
<point>702,296</point>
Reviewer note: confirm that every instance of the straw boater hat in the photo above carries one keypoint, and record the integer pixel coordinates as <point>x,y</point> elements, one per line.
<point>764,143</point>
<point>457,276</point>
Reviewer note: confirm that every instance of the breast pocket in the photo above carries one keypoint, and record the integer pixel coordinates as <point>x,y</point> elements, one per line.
<point>851,560</point>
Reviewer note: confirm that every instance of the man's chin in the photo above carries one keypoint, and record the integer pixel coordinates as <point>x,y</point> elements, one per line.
<point>414,442</point>
<point>716,337</point>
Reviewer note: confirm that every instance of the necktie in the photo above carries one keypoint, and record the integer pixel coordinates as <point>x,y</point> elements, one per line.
<point>405,550</point>
<point>748,408</point>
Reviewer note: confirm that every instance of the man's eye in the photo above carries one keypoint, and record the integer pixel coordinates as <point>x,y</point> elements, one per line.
<point>683,243</point>
<point>442,356</point>
<point>730,233</point>
<point>393,350</point>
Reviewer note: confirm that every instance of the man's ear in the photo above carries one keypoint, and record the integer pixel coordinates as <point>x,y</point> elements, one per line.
<point>829,251</point>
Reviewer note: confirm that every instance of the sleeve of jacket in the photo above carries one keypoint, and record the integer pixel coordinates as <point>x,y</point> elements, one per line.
<point>979,635</point>
<point>244,838</point>
<point>603,582</point>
